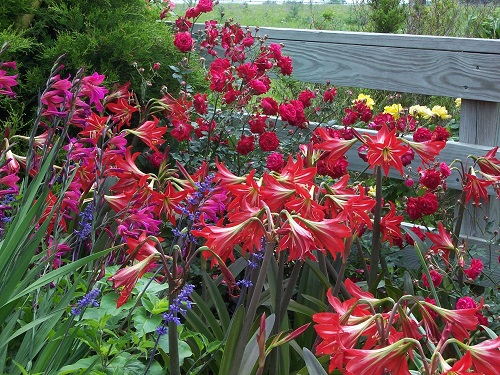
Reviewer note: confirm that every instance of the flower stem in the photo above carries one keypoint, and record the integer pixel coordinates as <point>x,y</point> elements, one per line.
<point>375,253</point>
<point>252,308</point>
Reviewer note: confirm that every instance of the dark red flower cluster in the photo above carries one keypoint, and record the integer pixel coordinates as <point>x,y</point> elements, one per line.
<point>358,111</point>
<point>424,205</point>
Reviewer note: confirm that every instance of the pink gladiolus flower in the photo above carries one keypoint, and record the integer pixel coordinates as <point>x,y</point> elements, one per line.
<point>6,83</point>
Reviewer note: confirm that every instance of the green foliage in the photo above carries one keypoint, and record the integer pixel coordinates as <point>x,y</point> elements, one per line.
<point>488,26</point>
<point>115,38</point>
<point>387,15</point>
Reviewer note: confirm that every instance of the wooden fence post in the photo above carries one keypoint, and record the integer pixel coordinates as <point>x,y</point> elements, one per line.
<point>480,125</point>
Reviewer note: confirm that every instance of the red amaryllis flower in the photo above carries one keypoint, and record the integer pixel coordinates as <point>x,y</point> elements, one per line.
<point>390,359</point>
<point>94,126</point>
<point>390,225</point>
<point>222,240</point>
<point>127,278</point>
<point>485,356</point>
<point>475,188</point>
<point>489,164</point>
<point>225,177</point>
<point>123,112</point>
<point>150,133</point>
<point>337,146</point>
<point>427,150</point>
<point>442,241</point>
<point>385,150</point>
<point>461,367</point>
<point>296,239</point>
<point>328,234</point>
<point>141,248</point>
<point>461,321</point>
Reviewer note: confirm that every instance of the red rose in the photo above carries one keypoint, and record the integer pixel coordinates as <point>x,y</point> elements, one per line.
<point>422,135</point>
<point>338,168</point>
<point>269,106</point>
<point>156,159</point>
<point>445,170</point>
<point>436,278</point>
<point>205,6</point>
<point>275,162</point>
<point>363,152</point>
<point>465,303</point>
<point>440,134</point>
<point>418,232</point>
<point>329,95</point>
<point>428,203</point>
<point>192,12</point>
<point>475,269</point>
<point>269,141</point>
<point>287,112</point>
<point>183,41</point>
<point>381,119</point>
<point>406,123</point>
<point>257,124</point>
<point>431,312</point>
<point>413,208</point>
<point>231,95</point>
<point>200,103</point>
<point>285,64</point>
<point>430,178</point>
<point>245,145</point>
<point>306,96</point>
<point>407,158</point>
<point>258,86</point>
<point>183,24</point>
<point>350,117</point>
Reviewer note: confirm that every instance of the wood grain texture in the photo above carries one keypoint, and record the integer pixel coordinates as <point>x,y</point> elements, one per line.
<point>431,72</point>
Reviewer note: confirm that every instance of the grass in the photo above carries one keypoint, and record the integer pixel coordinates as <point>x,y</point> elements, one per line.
<point>290,14</point>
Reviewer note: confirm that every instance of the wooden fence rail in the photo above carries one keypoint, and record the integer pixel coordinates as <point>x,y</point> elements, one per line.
<point>466,68</point>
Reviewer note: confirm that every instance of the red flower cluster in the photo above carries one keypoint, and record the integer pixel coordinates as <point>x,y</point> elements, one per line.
<point>420,206</point>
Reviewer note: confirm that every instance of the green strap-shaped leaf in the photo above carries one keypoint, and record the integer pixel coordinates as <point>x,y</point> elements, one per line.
<point>207,314</point>
<point>232,339</point>
<point>218,301</point>
<point>312,363</point>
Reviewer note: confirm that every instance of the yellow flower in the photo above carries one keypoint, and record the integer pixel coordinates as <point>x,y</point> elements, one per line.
<point>458,102</point>
<point>441,112</point>
<point>367,99</point>
<point>372,191</point>
<point>421,111</point>
<point>394,110</point>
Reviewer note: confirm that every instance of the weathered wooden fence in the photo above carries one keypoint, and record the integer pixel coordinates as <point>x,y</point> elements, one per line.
<point>444,66</point>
